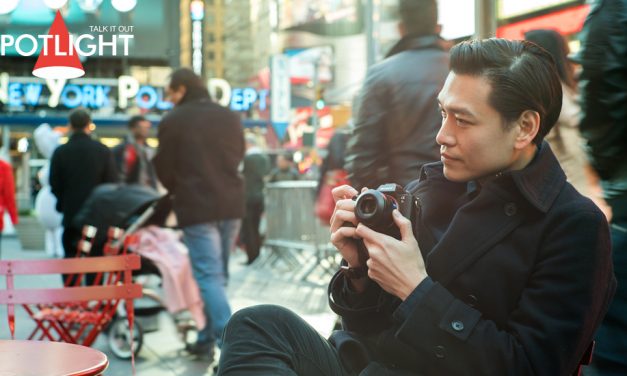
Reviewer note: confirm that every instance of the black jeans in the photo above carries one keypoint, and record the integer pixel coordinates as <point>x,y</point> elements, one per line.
<point>250,229</point>
<point>272,340</point>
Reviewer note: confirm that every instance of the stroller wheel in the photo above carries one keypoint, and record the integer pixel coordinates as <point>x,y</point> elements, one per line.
<point>119,338</point>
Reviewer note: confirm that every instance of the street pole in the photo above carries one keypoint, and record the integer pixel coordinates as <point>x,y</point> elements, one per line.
<point>485,18</point>
<point>314,104</point>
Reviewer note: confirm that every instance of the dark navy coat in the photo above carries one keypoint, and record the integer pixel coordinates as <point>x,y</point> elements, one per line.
<point>520,277</point>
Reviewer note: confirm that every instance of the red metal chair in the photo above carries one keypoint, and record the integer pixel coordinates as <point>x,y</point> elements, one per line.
<point>74,314</point>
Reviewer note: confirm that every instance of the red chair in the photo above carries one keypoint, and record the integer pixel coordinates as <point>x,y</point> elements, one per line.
<point>73,314</point>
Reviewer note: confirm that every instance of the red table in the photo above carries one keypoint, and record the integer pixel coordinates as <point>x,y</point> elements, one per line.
<point>30,358</point>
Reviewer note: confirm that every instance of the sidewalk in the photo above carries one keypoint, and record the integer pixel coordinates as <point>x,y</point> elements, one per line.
<point>162,353</point>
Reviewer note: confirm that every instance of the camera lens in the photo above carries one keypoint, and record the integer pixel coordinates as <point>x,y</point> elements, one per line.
<point>369,206</point>
<point>374,209</point>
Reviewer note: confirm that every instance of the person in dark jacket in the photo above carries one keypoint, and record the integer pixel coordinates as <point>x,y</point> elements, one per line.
<point>256,167</point>
<point>284,170</point>
<point>133,157</point>
<point>201,145</point>
<point>397,116</point>
<point>76,168</point>
<point>505,270</point>
<point>603,88</point>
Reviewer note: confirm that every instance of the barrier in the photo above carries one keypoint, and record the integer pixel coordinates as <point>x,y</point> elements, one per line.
<point>296,240</point>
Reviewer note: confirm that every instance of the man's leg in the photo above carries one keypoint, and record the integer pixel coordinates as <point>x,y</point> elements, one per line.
<point>611,338</point>
<point>229,229</point>
<point>70,239</point>
<point>205,252</point>
<point>271,340</point>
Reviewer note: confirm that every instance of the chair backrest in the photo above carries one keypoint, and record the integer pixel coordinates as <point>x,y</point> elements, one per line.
<point>112,264</point>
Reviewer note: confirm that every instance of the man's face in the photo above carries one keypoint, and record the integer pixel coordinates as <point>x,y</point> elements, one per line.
<point>473,142</point>
<point>282,162</point>
<point>141,130</point>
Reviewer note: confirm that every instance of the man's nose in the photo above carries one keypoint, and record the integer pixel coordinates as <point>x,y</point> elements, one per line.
<point>445,135</point>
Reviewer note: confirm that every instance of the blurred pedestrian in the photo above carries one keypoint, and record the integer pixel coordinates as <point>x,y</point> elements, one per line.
<point>564,138</point>
<point>256,167</point>
<point>76,169</point>
<point>201,145</point>
<point>603,85</point>
<point>133,156</point>
<point>7,196</point>
<point>332,175</point>
<point>47,140</point>
<point>397,113</point>
<point>284,170</point>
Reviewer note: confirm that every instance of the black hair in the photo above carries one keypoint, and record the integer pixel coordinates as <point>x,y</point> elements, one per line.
<point>521,74</point>
<point>195,88</point>
<point>419,17</point>
<point>79,118</point>
<point>555,44</point>
<point>133,121</point>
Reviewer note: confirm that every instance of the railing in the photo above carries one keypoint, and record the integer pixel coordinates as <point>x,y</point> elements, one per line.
<point>296,241</point>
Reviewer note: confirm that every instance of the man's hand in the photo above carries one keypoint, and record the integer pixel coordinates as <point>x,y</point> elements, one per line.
<point>343,237</point>
<point>395,265</point>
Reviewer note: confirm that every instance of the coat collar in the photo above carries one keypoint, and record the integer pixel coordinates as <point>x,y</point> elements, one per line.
<point>500,206</point>
<point>539,183</point>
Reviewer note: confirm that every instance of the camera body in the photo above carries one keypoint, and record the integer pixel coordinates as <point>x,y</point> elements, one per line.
<point>374,208</point>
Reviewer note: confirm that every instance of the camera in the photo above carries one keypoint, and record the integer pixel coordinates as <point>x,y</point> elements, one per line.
<point>374,208</point>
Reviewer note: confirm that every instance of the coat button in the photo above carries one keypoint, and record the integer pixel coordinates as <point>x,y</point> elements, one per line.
<point>510,209</point>
<point>439,352</point>
<point>457,326</point>
<point>472,300</point>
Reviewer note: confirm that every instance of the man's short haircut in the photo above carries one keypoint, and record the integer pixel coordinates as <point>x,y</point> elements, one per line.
<point>522,76</point>
<point>419,17</point>
<point>79,118</point>
<point>133,121</point>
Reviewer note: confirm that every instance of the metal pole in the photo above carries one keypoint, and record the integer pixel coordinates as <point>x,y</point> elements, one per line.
<point>485,18</point>
<point>314,104</point>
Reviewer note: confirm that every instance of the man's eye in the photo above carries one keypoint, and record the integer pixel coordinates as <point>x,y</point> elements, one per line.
<point>443,113</point>
<point>462,122</point>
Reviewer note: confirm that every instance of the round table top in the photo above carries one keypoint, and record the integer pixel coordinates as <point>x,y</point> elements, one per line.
<point>26,358</point>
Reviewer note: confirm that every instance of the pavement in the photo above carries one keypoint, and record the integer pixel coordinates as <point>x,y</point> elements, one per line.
<point>268,281</point>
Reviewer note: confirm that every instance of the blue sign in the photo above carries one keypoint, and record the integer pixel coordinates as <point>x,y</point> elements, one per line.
<point>97,96</point>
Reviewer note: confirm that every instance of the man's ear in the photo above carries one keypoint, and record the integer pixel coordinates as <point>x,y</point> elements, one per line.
<point>528,125</point>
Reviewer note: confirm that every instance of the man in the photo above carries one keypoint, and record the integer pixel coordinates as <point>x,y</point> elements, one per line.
<point>256,167</point>
<point>397,117</point>
<point>133,156</point>
<point>603,85</point>
<point>506,269</point>
<point>76,168</point>
<point>284,170</point>
<point>201,145</point>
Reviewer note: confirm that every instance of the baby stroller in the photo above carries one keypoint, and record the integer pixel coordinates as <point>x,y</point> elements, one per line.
<point>118,212</point>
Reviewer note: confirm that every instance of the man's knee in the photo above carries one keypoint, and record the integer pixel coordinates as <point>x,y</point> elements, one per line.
<point>262,317</point>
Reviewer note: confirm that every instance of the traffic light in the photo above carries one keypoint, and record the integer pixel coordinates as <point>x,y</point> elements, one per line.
<point>320,98</point>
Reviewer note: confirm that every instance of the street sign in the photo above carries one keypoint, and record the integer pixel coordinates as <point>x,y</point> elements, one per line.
<point>280,93</point>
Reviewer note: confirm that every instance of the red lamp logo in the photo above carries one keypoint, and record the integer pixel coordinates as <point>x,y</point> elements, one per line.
<point>58,58</point>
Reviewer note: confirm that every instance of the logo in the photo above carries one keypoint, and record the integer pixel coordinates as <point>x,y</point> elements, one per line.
<point>60,51</point>
<point>58,58</point>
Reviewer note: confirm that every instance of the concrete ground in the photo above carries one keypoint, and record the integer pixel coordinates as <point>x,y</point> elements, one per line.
<point>270,281</point>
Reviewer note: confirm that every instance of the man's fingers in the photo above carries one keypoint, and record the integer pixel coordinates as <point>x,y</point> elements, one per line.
<point>340,217</point>
<point>342,233</point>
<point>343,192</point>
<point>404,225</point>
